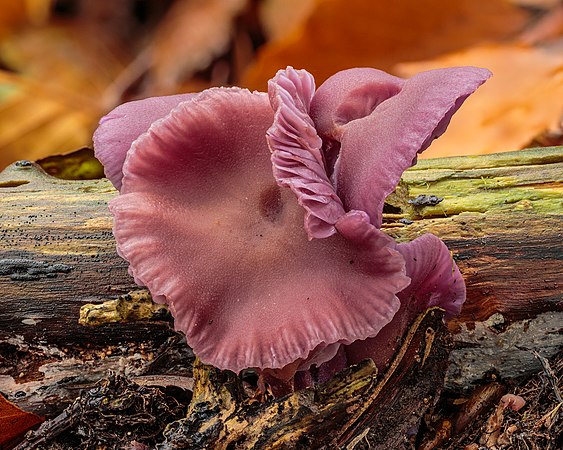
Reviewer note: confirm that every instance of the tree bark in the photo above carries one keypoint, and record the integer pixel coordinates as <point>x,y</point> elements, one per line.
<point>358,408</point>
<point>499,214</point>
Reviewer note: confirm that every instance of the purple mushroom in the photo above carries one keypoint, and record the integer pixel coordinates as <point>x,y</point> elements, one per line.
<point>256,218</point>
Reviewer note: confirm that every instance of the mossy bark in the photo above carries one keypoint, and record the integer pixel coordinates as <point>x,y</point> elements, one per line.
<point>501,215</point>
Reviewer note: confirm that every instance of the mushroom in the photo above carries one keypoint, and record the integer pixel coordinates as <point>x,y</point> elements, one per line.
<point>256,218</point>
<point>206,228</point>
<point>123,125</point>
<point>365,127</point>
<point>512,401</point>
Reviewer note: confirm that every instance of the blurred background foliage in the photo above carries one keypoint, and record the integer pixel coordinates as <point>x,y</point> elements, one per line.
<point>65,63</point>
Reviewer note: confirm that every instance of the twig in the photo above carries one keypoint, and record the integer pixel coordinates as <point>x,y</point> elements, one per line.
<point>550,375</point>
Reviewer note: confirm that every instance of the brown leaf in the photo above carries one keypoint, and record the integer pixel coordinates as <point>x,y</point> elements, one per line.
<point>480,401</point>
<point>51,105</point>
<point>520,101</point>
<point>355,33</point>
<point>550,26</point>
<point>540,4</point>
<point>15,13</point>
<point>36,122</point>
<point>76,63</point>
<point>492,429</point>
<point>14,422</point>
<point>280,18</point>
<point>188,38</point>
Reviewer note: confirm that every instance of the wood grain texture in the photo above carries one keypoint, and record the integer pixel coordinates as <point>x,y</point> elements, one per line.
<point>501,215</point>
<point>358,408</point>
<point>502,218</point>
<point>49,224</point>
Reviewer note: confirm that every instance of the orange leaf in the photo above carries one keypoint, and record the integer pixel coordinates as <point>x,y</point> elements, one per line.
<point>521,100</point>
<point>36,122</point>
<point>279,18</point>
<point>355,33</point>
<point>14,422</point>
<point>66,58</point>
<point>15,13</point>
<point>53,103</point>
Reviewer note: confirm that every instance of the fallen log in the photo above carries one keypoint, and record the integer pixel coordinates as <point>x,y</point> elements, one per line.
<point>499,214</point>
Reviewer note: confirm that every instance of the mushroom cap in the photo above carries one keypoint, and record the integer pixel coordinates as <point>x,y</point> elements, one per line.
<point>365,127</point>
<point>214,187</point>
<point>204,226</point>
<point>435,281</point>
<point>373,125</point>
<point>297,157</point>
<point>512,401</point>
<point>118,129</point>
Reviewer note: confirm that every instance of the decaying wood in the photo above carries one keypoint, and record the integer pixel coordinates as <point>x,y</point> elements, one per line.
<point>111,415</point>
<point>502,218</point>
<point>57,253</point>
<point>499,214</point>
<point>508,350</point>
<point>357,402</point>
<point>482,399</point>
<point>356,407</point>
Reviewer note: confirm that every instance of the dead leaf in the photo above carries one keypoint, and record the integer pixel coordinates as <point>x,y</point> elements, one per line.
<point>51,105</point>
<point>188,38</point>
<point>36,122</point>
<point>355,33</point>
<point>76,63</point>
<point>550,26</point>
<point>539,4</point>
<point>480,401</point>
<point>78,165</point>
<point>548,138</point>
<point>281,18</point>
<point>493,427</point>
<point>16,13</point>
<point>14,422</point>
<point>521,100</point>
<point>13,13</point>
